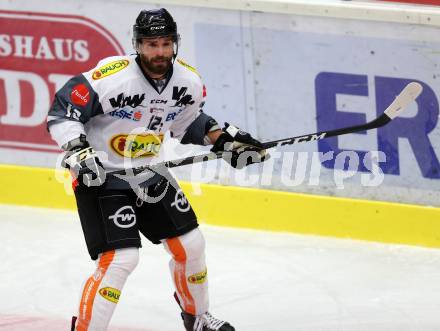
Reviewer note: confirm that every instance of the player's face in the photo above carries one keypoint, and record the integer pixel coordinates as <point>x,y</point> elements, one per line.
<point>156,54</point>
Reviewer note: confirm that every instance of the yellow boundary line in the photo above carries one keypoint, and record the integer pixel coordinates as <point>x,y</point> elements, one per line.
<point>257,209</point>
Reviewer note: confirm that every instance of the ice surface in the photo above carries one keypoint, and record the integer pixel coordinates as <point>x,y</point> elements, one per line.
<point>258,280</point>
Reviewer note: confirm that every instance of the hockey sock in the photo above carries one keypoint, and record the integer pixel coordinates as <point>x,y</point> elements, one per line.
<point>188,270</point>
<point>101,291</point>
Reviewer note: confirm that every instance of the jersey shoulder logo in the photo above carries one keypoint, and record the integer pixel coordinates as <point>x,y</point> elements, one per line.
<point>186,65</point>
<point>110,69</point>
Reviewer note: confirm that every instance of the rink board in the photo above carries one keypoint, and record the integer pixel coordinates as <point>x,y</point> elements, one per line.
<point>256,209</point>
<point>352,60</point>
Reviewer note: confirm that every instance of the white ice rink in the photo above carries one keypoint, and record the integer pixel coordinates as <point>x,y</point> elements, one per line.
<point>258,280</point>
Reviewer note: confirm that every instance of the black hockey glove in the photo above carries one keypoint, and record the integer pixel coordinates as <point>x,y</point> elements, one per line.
<point>239,148</point>
<point>84,163</point>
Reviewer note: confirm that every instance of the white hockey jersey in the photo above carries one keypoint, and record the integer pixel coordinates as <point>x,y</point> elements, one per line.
<point>123,113</point>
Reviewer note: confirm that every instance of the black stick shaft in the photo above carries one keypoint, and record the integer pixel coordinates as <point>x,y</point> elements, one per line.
<point>378,122</point>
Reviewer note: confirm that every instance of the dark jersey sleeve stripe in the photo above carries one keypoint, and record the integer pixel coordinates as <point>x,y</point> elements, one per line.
<point>197,130</point>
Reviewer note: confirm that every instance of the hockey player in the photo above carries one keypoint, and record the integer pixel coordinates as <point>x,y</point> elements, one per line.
<point>120,111</point>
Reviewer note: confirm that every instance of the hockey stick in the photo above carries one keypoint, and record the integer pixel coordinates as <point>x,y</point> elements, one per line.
<point>406,96</point>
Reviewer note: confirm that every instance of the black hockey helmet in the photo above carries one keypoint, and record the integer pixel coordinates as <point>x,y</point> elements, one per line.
<point>155,23</point>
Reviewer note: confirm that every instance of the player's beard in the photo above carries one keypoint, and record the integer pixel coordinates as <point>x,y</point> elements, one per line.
<point>155,67</point>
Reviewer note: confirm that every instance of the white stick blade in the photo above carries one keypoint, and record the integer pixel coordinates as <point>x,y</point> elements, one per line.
<point>408,95</point>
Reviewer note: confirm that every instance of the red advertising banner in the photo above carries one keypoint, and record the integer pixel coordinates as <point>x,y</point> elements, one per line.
<point>38,53</point>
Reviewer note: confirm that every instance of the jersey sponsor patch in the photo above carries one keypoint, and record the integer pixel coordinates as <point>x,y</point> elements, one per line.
<point>131,100</point>
<point>111,294</point>
<point>134,146</point>
<point>157,111</point>
<point>158,101</point>
<point>172,115</point>
<point>80,95</point>
<point>182,97</point>
<point>110,69</point>
<point>198,278</point>
<point>128,114</point>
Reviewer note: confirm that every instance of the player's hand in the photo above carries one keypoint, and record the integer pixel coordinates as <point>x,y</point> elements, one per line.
<point>239,148</point>
<point>85,165</point>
